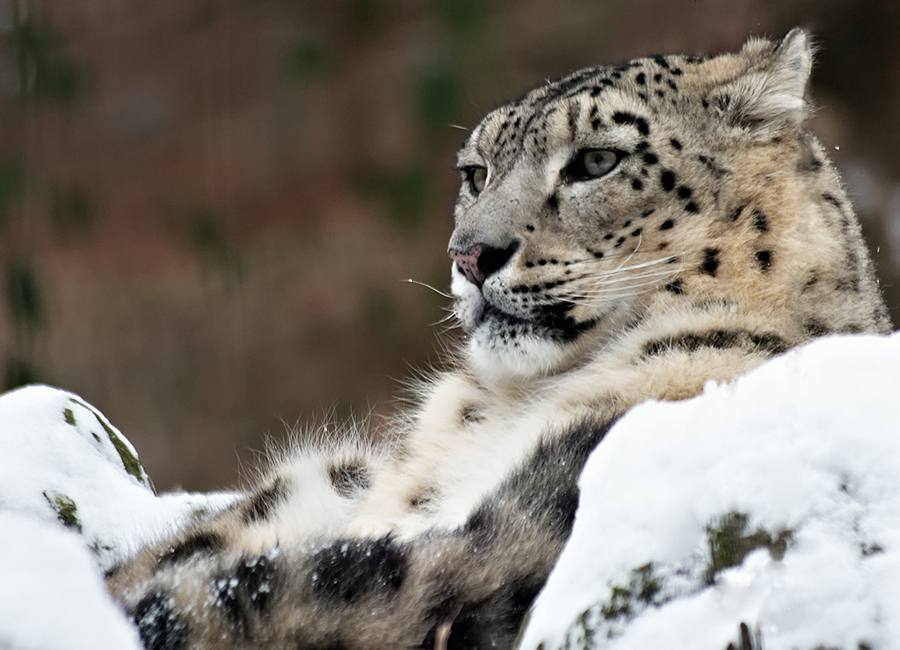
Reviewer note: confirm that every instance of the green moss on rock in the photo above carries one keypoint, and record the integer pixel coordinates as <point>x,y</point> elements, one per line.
<point>868,550</point>
<point>129,460</point>
<point>730,542</point>
<point>642,588</point>
<point>100,548</point>
<point>729,538</point>
<point>132,464</point>
<point>65,509</point>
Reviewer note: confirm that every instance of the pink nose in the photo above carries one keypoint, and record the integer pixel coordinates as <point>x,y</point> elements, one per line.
<point>468,264</point>
<point>481,261</point>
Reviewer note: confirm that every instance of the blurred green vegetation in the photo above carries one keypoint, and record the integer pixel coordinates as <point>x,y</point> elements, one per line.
<point>308,59</point>
<point>23,295</point>
<point>367,17</point>
<point>72,208</point>
<point>464,18</point>
<point>12,189</point>
<point>437,98</point>
<point>25,306</point>
<point>47,78</point>
<point>299,256</point>
<point>46,74</point>
<point>404,194</point>
<point>19,372</point>
<point>380,316</point>
<point>207,235</point>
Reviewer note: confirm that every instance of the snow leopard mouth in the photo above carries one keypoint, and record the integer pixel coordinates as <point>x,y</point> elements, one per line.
<point>553,322</point>
<point>486,310</point>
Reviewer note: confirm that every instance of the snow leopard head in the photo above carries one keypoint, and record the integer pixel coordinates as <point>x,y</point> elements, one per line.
<point>668,183</point>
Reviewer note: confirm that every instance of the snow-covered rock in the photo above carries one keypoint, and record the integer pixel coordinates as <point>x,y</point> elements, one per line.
<point>52,595</point>
<point>62,461</point>
<point>773,501</point>
<point>74,500</point>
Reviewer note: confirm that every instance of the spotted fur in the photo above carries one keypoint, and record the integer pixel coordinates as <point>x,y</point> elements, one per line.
<point>624,233</point>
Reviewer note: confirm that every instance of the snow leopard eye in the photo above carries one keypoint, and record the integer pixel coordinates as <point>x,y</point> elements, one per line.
<point>476,177</point>
<point>591,163</point>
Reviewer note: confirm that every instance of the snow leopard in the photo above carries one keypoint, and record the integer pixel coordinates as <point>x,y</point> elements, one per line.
<point>624,233</point>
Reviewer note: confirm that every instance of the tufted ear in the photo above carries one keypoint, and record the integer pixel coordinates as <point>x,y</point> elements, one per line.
<point>767,99</point>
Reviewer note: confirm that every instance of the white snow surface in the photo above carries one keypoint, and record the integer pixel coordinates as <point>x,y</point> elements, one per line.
<point>806,447</point>
<point>60,460</point>
<point>52,595</point>
<point>56,451</point>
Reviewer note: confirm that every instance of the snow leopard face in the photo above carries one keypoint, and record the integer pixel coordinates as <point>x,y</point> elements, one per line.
<point>667,183</point>
<point>569,202</point>
<point>558,223</point>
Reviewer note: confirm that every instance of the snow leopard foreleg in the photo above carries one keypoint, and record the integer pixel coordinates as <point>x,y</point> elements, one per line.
<point>466,588</point>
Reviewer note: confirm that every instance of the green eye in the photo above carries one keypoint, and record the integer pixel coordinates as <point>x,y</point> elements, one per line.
<point>599,161</point>
<point>591,163</point>
<point>477,177</point>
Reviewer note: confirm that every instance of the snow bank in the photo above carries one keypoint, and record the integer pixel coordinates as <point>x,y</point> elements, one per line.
<point>61,460</point>
<point>63,466</point>
<point>52,595</point>
<point>773,501</point>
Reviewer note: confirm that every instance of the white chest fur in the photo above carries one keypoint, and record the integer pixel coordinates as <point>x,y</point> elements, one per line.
<point>465,444</point>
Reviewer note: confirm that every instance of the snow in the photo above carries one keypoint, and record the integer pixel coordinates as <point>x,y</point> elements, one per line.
<point>61,459</point>
<point>772,501</point>
<point>74,501</point>
<point>803,450</point>
<point>52,595</point>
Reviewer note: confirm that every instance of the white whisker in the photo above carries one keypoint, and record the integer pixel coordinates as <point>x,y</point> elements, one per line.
<point>446,319</point>
<point>656,273</point>
<point>428,286</point>
<point>608,257</point>
<point>609,293</point>
<point>619,269</point>
<point>622,284</point>
<point>628,256</point>
<point>627,259</point>
<point>447,328</point>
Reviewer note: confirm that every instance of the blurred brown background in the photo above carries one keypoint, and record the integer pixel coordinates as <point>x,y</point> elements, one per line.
<point>208,208</point>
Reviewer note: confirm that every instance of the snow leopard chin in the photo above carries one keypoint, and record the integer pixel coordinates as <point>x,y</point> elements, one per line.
<point>499,360</point>
<point>503,347</point>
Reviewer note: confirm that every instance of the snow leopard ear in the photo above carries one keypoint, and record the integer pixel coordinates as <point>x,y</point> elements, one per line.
<point>768,99</point>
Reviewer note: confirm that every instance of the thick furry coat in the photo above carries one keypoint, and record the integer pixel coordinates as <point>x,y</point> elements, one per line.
<point>625,233</point>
